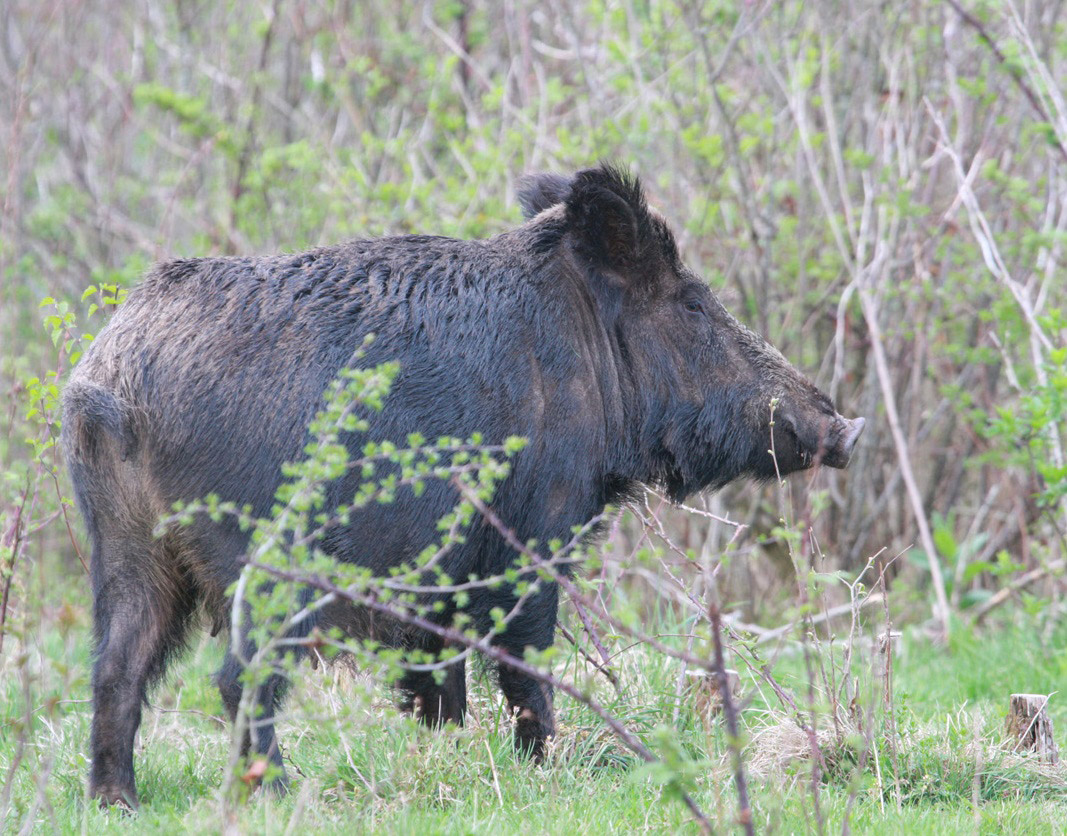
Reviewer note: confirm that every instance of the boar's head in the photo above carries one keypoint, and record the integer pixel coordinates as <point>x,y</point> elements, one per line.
<point>705,399</point>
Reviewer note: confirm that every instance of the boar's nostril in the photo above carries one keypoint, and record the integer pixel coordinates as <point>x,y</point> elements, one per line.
<point>850,436</point>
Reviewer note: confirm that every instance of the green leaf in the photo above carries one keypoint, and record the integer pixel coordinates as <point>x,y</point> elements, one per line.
<point>974,596</point>
<point>973,570</point>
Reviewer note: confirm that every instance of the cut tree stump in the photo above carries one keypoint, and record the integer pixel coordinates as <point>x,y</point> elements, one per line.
<point>1030,727</point>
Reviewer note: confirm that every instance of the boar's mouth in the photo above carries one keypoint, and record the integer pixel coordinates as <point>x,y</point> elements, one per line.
<point>843,438</point>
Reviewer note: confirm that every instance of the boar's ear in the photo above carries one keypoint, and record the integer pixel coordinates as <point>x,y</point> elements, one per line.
<point>607,214</point>
<point>538,192</point>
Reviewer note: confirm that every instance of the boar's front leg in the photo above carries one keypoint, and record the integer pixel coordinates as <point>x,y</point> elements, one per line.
<point>268,697</point>
<point>260,736</point>
<point>529,699</point>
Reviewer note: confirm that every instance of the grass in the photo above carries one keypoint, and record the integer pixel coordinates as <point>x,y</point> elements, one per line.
<point>357,765</point>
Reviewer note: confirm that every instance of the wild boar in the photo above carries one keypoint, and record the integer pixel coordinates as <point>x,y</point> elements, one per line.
<point>581,330</point>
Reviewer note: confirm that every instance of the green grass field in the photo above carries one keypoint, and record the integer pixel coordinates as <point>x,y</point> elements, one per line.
<point>357,765</point>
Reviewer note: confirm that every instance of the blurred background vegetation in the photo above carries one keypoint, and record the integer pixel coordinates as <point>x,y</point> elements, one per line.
<point>878,187</point>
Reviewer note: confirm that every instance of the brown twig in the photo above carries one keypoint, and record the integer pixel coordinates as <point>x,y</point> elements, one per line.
<point>12,536</point>
<point>1005,592</point>
<point>870,314</point>
<point>568,585</point>
<point>591,631</point>
<point>730,714</point>
<point>249,136</point>
<point>601,667</point>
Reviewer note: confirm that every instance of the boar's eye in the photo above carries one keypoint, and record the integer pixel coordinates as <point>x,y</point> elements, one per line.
<point>694,306</point>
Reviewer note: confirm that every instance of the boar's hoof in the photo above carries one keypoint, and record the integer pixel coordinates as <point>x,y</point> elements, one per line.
<point>531,733</point>
<point>120,798</point>
<point>276,787</point>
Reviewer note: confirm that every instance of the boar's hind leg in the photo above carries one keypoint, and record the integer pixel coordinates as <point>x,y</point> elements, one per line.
<point>436,704</point>
<point>142,609</point>
<point>530,700</point>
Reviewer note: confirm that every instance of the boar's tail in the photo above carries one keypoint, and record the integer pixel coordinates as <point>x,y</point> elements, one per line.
<point>91,411</point>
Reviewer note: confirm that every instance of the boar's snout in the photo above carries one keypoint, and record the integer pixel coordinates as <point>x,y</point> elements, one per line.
<point>843,438</point>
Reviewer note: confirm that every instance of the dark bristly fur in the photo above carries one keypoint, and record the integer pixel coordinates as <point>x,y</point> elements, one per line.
<point>580,330</point>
